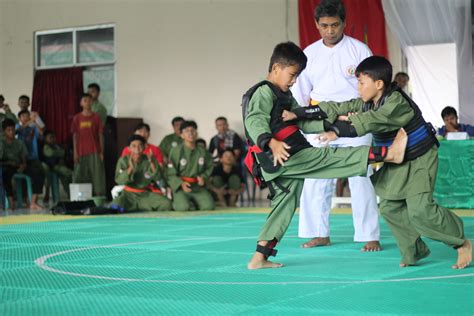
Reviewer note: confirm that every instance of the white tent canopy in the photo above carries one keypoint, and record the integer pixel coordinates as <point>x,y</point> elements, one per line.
<point>436,37</point>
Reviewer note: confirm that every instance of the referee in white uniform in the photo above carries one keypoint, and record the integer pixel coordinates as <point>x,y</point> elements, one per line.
<point>330,76</point>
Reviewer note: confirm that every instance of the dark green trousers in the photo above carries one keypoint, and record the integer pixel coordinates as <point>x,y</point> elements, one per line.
<point>90,169</point>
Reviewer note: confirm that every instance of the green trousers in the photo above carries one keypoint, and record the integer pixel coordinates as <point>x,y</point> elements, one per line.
<point>315,163</point>
<point>233,183</point>
<point>417,216</point>
<point>90,169</point>
<point>201,197</point>
<point>64,175</point>
<point>146,201</point>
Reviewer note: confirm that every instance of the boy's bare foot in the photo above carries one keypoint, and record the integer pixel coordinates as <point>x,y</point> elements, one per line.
<point>396,152</point>
<point>370,246</point>
<point>317,242</point>
<point>464,255</point>
<point>258,261</point>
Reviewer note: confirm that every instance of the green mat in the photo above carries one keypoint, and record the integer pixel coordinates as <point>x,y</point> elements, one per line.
<point>197,265</point>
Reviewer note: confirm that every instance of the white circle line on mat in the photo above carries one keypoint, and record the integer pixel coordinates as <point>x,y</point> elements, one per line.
<point>41,263</point>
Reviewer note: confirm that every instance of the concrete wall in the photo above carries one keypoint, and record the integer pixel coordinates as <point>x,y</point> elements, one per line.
<point>193,58</point>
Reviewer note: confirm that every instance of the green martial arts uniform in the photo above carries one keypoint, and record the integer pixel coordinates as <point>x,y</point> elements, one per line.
<point>54,161</point>
<point>138,193</point>
<point>13,152</point>
<point>220,179</point>
<point>169,142</point>
<point>406,190</point>
<point>7,115</point>
<point>100,109</point>
<point>90,169</point>
<point>189,163</point>
<point>325,163</point>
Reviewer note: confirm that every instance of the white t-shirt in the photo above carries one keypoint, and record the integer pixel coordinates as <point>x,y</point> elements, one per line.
<point>330,72</point>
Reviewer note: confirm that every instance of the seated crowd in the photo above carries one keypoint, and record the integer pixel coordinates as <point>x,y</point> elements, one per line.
<point>180,174</point>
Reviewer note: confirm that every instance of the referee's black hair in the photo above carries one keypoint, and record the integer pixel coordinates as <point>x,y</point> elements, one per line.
<point>330,8</point>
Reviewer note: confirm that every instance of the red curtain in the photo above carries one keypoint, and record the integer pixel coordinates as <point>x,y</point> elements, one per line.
<point>56,96</point>
<point>364,21</point>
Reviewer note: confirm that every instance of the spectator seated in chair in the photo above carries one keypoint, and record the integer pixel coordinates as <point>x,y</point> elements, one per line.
<point>13,154</point>
<point>226,180</point>
<point>225,138</point>
<point>53,160</point>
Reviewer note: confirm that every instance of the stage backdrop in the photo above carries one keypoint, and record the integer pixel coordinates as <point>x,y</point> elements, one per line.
<point>364,21</point>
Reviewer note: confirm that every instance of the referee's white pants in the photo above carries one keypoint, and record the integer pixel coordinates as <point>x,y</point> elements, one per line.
<point>315,201</point>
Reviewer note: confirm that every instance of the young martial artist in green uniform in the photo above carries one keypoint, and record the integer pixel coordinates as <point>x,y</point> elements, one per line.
<point>174,139</point>
<point>226,180</point>
<point>189,168</point>
<point>13,154</point>
<point>142,178</point>
<point>53,160</point>
<point>285,155</point>
<point>97,107</point>
<point>406,190</point>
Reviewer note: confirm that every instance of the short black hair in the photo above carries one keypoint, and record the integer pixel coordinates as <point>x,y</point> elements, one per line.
<point>177,119</point>
<point>227,150</point>
<point>141,126</point>
<point>330,8</point>
<point>8,123</point>
<point>24,97</point>
<point>377,68</point>
<point>187,124</point>
<point>48,132</point>
<point>401,73</point>
<point>135,137</point>
<point>201,141</point>
<point>449,110</point>
<point>86,95</point>
<point>23,112</point>
<point>288,54</point>
<point>94,86</point>
<point>221,118</point>
<point>1,97</point>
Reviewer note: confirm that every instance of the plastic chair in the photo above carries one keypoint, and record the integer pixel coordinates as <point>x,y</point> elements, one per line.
<point>245,176</point>
<point>18,178</point>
